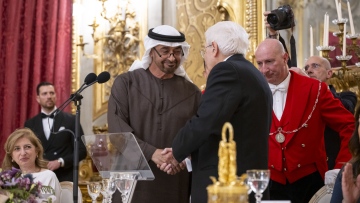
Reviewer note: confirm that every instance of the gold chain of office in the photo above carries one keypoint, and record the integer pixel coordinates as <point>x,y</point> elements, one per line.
<point>280,138</point>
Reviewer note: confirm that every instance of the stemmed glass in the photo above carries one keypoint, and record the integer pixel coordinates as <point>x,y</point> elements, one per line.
<point>94,190</point>
<point>258,180</point>
<point>124,183</point>
<point>108,189</point>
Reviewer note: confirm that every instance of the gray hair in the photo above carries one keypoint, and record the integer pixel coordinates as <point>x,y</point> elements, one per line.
<point>230,37</point>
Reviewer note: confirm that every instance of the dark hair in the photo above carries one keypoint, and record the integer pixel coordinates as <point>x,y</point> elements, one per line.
<point>354,146</point>
<point>42,84</point>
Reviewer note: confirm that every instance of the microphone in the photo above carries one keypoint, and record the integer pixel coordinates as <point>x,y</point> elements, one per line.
<point>101,78</point>
<point>89,79</point>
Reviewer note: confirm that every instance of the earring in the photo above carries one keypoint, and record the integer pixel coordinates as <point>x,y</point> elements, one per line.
<point>12,160</point>
<point>37,156</point>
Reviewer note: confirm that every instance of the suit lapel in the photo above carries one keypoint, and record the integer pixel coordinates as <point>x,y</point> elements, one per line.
<point>39,131</point>
<point>56,126</point>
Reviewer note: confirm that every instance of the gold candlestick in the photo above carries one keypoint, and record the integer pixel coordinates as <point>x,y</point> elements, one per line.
<point>354,47</point>
<point>340,23</point>
<point>343,60</point>
<point>325,51</point>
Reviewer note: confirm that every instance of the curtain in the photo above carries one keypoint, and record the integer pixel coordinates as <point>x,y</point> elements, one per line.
<point>35,46</point>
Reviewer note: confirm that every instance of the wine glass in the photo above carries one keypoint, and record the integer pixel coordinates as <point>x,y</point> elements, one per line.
<point>94,190</point>
<point>258,180</point>
<point>108,189</point>
<point>124,183</point>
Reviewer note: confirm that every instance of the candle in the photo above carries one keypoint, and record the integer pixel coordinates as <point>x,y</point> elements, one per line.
<point>351,19</point>
<point>311,42</point>
<point>324,37</point>
<point>340,14</point>
<point>337,9</point>
<point>344,41</point>
<point>327,30</point>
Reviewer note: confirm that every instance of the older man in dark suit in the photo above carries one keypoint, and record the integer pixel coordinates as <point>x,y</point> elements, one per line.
<point>58,146</point>
<point>236,92</point>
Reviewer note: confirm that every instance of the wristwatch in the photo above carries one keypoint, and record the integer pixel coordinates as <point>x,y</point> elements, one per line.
<point>61,161</point>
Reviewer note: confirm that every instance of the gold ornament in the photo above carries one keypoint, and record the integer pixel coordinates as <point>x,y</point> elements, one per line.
<point>229,188</point>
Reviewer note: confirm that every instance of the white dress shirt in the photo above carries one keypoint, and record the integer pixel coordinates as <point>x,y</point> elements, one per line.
<point>279,93</point>
<point>47,124</point>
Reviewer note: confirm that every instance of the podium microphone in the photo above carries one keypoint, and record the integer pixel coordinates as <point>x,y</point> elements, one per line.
<point>89,79</point>
<point>101,78</point>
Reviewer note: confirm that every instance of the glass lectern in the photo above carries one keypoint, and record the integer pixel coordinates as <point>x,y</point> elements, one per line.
<point>118,157</point>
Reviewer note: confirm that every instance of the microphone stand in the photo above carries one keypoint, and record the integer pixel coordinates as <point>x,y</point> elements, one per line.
<point>77,102</point>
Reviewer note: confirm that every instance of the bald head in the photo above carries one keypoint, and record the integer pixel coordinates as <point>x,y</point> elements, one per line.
<point>272,61</point>
<point>319,68</point>
<point>274,44</point>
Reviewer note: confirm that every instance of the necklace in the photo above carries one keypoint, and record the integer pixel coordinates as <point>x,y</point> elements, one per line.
<point>280,138</point>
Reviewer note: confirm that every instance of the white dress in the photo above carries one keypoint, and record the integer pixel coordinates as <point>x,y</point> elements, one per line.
<point>48,178</point>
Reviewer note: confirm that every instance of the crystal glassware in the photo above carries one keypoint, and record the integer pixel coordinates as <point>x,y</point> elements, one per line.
<point>108,189</point>
<point>94,190</point>
<point>258,181</point>
<point>124,183</point>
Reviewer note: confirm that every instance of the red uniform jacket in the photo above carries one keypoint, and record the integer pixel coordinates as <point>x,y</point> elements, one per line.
<point>303,152</point>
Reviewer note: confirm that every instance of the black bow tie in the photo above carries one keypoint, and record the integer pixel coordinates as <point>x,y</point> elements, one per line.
<point>47,116</point>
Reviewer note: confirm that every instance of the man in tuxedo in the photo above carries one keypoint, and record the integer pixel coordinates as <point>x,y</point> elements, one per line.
<point>236,92</point>
<point>58,146</point>
<point>301,109</point>
<point>319,68</point>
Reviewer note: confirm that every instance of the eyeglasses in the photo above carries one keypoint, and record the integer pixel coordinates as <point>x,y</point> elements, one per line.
<point>313,65</point>
<point>202,52</point>
<point>167,54</point>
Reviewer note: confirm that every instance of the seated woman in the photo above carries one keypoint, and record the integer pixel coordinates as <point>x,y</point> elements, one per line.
<point>25,152</point>
<point>347,184</point>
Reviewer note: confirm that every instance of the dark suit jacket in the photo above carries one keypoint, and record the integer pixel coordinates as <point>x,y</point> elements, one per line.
<point>60,144</point>
<point>236,92</point>
<point>303,152</point>
<point>332,138</point>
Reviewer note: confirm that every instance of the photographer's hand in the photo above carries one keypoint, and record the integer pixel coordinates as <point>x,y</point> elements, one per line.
<point>272,32</point>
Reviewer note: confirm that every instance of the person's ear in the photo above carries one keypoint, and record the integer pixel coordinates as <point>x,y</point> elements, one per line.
<point>215,48</point>
<point>38,98</point>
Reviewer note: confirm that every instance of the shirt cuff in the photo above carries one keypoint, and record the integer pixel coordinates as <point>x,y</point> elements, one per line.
<point>62,162</point>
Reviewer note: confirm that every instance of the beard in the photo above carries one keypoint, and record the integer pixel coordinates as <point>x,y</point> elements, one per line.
<point>168,67</point>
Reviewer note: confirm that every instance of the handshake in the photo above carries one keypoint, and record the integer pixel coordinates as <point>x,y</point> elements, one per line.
<point>166,162</point>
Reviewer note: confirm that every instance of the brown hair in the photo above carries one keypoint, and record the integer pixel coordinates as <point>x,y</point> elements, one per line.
<point>9,147</point>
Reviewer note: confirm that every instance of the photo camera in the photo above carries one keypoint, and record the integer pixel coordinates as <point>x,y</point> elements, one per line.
<point>281,18</point>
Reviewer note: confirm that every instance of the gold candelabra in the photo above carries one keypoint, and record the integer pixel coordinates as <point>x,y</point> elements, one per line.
<point>346,77</point>
<point>229,188</point>
<point>115,36</point>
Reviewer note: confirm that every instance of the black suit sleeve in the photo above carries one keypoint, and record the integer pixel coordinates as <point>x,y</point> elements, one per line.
<point>216,107</point>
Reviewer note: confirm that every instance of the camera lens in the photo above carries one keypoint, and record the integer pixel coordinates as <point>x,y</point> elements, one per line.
<point>272,19</point>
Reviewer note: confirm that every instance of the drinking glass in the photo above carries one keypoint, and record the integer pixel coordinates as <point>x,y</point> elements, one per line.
<point>108,189</point>
<point>124,183</point>
<point>94,190</point>
<point>258,180</point>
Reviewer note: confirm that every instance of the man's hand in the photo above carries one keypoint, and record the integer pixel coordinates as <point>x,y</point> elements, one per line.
<point>267,25</point>
<point>171,166</point>
<point>53,165</point>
